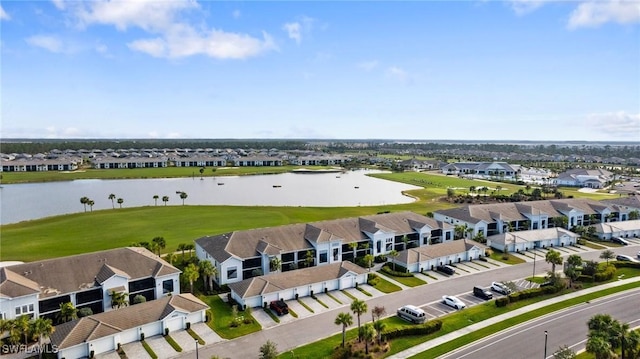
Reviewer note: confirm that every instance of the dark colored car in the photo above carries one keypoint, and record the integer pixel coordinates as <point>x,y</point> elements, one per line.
<point>446,269</point>
<point>280,307</point>
<point>482,293</point>
<point>620,241</point>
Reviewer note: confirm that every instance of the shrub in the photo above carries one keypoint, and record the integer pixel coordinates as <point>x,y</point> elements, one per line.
<point>502,302</point>
<point>422,329</point>
<point>605,274</point>
<point>624,264</point>
<point>381,258</point>
<point>388,270</point>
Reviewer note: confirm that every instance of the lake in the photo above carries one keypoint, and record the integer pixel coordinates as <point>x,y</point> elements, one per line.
<point>21,202</point>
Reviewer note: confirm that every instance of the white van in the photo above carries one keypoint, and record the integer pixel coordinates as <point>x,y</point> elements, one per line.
<point>412,314</point>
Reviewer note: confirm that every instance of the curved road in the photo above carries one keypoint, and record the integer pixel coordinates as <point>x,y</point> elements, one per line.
<point>565,327</point>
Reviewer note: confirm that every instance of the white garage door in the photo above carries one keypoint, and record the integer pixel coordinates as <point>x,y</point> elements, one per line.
<point>174,323</point>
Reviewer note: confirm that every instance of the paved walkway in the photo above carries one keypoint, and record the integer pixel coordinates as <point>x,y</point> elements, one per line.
<point>471,328</point>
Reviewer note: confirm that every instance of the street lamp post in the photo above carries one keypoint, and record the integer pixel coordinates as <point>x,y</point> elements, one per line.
<point>196,340</point>
<point>545,344</point>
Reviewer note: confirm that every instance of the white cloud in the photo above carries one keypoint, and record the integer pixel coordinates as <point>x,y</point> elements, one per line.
<point>368,65</point>
<point>616,124</point>
<point>523,7</point>
<point>236,14</point>
<point>172,36</point>
<point>397,74</point>
<point>299,28</point>
<point>47,42</point>
<point>293,30</point>
<point>3,14</point>
<point>593,14</point>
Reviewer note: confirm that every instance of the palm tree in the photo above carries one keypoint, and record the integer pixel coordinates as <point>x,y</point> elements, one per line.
<point>22,322</point>
<point>84,201</point>
<point>599,347</point>
<point>359,307</point>
<point>344,319</point>
<point>41,328</point>
<point>368,259</point>
<point>201,172</point>
<point>120,201</point>
<point>368,333</point>
<point>182,247</point>
<point>554,258</point>
<point>155,199</point>
<point>170,257</point>
<point>189,247</point>
<point>405,241</point>
<point>165,199</point>
<point>10,326</point>
<point>354,247</point>
<point>112,197</point>
<point>91,203</point>
<point>274,264</point>
<point>192,274</point>
<point>118,299</point>
<point>607,254</point>
<point>208,270</point>
<point>309,258</point>
<point>160,243</point>
<point>394,254</point>
<point>379,327</point>
<point>183,196</point>
<point>67,312</point>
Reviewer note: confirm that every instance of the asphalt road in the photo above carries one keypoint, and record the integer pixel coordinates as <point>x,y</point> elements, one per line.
<point>566,327</point>
<point>302,331</point>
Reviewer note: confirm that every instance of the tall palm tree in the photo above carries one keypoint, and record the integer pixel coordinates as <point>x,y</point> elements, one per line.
<point>191,273</point>
<point>275,264</point>
<point>165,199</point>
<point>41,328</point>
<point>10,326</point>
<point>170,257</point>
<point>155,199</point>
<point>84,201</point>
<point>394,254</point>
<point>379,327</point>
<point>354,247</point>
<point>189,247</point>
<point>182,247</point>
<point>208,270</point>
<point>91,203</point>
<point>344,319</point>
<point>554,258</point>
<point>112,197</point>
<point>368,333</point>
<point>22,322</point>
<point>607,254</point>
<point>359,307</point>
<point>183,196</point>
<point>120,201</point>
<point>160,243</point>
<point>599,346</point>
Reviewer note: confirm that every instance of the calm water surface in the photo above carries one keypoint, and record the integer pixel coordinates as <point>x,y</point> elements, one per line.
<point>20,202</point>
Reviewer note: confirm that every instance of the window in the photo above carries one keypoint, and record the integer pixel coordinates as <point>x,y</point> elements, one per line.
<point>24,310</point>
<point>447,236</point>
<point>388,244</point>
<point>324,257</point>
<point>232,273</point>
<point>167,286</point>
<point>336,251</point>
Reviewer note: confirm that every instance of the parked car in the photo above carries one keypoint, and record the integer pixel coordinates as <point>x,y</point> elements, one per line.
<point>446,269</point>
<point>623,258</point>
<point>280,307</point>
<point>500,288</point>
<point>620,240</point>
<point>546,284</point>
<point>453,302</point>
<point>638,254</point>
<point>482,293</point>
<point>412,314</point>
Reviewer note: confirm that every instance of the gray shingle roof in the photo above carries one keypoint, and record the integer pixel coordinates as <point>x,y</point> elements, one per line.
<point>415,255</point>
<point>70,274</point>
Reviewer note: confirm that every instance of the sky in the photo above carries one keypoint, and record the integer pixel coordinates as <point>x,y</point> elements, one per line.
<point>426,70</point>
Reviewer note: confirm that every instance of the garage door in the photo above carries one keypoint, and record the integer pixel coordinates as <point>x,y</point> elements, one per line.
<point>174,323</point>
<point>346,282</point>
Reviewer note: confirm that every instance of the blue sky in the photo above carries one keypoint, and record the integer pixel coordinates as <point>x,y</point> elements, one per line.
<point>470,70</point>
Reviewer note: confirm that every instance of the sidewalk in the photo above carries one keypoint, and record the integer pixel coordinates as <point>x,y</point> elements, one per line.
<point>471,328</point>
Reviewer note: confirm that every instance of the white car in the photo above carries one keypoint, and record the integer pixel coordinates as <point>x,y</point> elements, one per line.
<point>453,302</point>
<point>500,288</point>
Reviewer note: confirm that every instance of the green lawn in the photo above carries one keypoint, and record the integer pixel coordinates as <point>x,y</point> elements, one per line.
<point>593,245</point>
<point>497,256</point>
<point>222,317</point>
<point>408,281</point>
<point>385,286</point>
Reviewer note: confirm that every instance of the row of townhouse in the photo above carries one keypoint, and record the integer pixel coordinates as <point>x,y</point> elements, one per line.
<point>87,280</point>
<point>39,165</point>
<point>240,255</point>
<point>491,219</point>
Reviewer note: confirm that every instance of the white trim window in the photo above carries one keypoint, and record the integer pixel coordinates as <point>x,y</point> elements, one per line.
<point>27,309</point>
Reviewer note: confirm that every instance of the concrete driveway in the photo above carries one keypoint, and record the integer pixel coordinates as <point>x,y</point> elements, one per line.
<point>161,347</point>
<point>135,350</point>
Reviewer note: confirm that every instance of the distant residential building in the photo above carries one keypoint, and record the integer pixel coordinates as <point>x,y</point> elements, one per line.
<point>526,240</point>
<point>319,160</point>
<point>421,165</point>
<point>429,257</point>
<point>106,162</point>
<point>625,229</point>
<point>200,162</point>
<point>39,164</point>
<point>256,161</point>
<point>497,170</point>
<point>38,288</point>
<point>579,177</point>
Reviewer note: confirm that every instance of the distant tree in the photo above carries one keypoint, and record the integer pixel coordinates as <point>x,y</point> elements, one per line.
<point>450,193</point>
<point>394,254</point>
<point>84,201</point>
<point>170,257</point>
<point>91,203</point>
<point>165,199</point>
<point>183,196</point>
<point>201,172</point>
<point>268,350</point>
<point>155,199</point>
<point>359,307</point>
<point>345,320</point>
<point>607,254</point>
<point>160,243</point>
<point>120,201</point>
<point>633,215</point>
<point>574,260</point>
<point>112,197</point>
